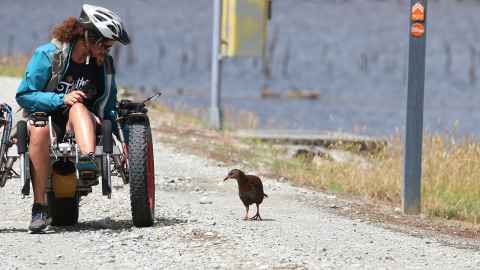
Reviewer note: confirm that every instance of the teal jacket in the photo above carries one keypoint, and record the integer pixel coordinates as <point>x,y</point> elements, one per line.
<point>45,70</point>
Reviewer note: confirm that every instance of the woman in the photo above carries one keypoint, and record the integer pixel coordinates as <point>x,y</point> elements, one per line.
<point>72,79</point>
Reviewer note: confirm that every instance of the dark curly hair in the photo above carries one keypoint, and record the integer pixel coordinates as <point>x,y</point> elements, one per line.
<point>68,30</point>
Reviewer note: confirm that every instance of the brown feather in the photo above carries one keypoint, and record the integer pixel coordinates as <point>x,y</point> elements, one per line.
<point>250,187</point>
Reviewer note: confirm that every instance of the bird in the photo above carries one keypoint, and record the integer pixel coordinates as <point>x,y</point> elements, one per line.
<point>250,190</point>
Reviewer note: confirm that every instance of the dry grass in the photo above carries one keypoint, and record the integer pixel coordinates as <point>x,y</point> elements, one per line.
<point>13,66</point>
<point>451,186</point>
<point>450,175</point>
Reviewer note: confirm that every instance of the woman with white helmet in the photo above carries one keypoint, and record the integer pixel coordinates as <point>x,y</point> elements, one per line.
<point>71,78</point>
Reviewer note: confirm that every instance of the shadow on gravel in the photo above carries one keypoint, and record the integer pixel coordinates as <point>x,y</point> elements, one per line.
<point>165,222</point>
<point>113,225</point>
<point>257,221</point>
<point>13,230</point>
<point>95,225</point>
<point>266,219</point>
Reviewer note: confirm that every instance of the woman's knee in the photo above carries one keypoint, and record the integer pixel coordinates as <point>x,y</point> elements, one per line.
<point>39,135</point>
<point>77,109</point>
<point>79,112</point>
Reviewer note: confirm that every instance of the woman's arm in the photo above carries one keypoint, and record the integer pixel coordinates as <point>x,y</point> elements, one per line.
<point>31,94</point>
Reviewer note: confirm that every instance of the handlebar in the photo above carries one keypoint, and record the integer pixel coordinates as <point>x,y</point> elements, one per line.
<point>127,106</point>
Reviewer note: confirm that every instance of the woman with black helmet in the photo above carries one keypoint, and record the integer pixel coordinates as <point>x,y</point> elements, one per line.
<point>72,79</point>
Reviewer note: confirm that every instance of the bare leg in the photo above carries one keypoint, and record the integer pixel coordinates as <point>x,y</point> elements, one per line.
<point>246,214</point>
<point>257,215</point>
<point>39,156</point>
<point>81,121</point>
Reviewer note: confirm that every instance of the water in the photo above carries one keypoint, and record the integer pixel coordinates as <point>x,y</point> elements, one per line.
<point>353,52</point>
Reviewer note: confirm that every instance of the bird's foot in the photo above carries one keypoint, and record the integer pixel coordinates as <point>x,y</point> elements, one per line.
<point>256,217</point>
<point>246,218</point>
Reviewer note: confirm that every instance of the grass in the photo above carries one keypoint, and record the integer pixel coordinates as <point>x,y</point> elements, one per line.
<point>451,168</point>
<point>451,178</point>
<point>13,66</point>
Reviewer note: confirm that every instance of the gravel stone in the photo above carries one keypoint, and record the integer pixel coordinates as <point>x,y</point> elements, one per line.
<point>205,200</point>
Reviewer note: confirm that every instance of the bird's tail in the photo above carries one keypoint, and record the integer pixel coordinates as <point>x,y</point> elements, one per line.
<point>265,195</point>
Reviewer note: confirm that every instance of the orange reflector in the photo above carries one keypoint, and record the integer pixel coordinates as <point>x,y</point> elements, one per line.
<point>418,12</point>
<point>418,29</point>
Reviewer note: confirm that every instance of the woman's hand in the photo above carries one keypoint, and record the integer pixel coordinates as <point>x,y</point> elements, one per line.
<point>96,119</point>
<point>74,97</point>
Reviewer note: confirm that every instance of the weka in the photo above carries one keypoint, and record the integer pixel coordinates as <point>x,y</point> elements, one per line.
<point>250,190</point>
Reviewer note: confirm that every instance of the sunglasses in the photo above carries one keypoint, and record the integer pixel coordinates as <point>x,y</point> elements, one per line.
<point>102,42</point>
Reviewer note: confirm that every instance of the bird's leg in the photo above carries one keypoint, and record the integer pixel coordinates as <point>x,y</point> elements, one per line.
<point>246,214</point>
<point>257,215</point>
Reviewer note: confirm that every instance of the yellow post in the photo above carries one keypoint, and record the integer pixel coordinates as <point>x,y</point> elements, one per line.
<point>244,27</point>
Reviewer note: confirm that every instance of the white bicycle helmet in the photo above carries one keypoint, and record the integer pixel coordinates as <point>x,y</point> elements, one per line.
<point>104,22</point>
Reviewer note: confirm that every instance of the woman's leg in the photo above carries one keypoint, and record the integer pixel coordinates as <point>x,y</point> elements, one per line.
<point>80,120</point>
<point>40,167</point>
<point>39,156</point>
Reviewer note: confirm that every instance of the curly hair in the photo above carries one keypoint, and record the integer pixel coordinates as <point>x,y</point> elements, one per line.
<point>68,30</point>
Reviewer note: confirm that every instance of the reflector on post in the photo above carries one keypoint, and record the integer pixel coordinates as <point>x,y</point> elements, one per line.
<point>244,27</point>
<point>418,12</point>
<point>417,30</point>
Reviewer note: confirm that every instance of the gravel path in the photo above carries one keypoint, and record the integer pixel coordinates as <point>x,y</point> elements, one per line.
<point>198,226</point>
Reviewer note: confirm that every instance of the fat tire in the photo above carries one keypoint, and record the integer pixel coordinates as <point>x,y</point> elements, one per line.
<point>140,170</point>
<point>63,211</point>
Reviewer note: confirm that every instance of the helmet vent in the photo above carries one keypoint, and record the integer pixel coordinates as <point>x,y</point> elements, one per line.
<point>106,14</point>
<point>113,29</point>
<point>100,18</point>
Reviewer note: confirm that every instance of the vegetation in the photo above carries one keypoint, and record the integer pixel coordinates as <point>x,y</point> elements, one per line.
<point>13,66</point>
<point>451,171</point>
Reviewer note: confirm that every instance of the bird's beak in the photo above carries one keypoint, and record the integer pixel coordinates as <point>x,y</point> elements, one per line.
<point>226,178</point>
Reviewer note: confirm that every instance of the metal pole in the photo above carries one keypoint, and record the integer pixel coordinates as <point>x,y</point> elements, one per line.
<point>414,129</point>
<point>215,110</point>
